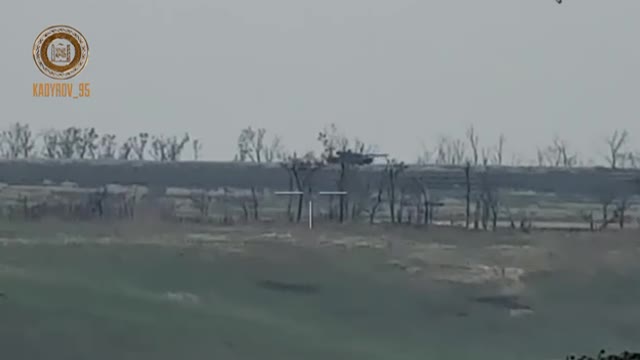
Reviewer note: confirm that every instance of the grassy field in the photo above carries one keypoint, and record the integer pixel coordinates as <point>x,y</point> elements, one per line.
<point>163,291</point>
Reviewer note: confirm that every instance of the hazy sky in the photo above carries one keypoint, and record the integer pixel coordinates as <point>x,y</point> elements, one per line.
<point>396,73</point>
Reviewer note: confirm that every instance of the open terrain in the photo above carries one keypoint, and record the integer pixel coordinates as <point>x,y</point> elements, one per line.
<point>98,290</point>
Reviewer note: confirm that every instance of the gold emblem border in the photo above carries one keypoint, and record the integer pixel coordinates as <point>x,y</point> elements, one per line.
<point>74,36</point>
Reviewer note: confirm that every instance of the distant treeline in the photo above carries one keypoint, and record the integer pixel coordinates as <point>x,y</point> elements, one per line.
<point>18,141</point>
<point>478,176</point>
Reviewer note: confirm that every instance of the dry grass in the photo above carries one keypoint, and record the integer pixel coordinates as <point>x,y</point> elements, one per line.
<point>384,288</point>
<point>438,252</point>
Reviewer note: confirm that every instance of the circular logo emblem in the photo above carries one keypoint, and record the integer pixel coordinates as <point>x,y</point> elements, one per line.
<point>60,52</point>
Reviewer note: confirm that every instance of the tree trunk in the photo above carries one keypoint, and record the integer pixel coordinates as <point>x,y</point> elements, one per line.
<point>254,197</point>
<point>331,214</point>
<point>372,214</point>
<point>341,188</point>
<point>374,209</point>
<point>426,209</point>
<point>476,218</point>
<point>346,206</point>
<point>494,214</point>
<point>290,200</point>
<point>245,211</point>
<point>401,206</point>
<point>300,206</point>
<point>485,215</point>
<point>467,173</point>
<point>392,202</point>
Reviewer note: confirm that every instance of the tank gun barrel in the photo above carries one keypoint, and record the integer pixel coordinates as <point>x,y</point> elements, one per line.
<point>377,155</point>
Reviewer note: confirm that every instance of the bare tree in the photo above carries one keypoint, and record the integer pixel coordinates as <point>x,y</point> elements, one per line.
<point>561,153</point>
<point>332,141</point>
<point>138,144</point>
<point>253,147</point>
<point>17,142</point>
<point>259,146</point>
<point>68,142</point>
<point>633,159</point>
<point>197,148</point>
<point>133,147</point>
<point>50,139</point>
<point>473,138</point>
<point>606,220</point>
<point>622,204</point>
<point>425,196</point>
<point>107,146</point>
<point>255,203</point>
<point>499,152</point>
<point>301,172</point>
<point>202,201</point>
<point>489,199</point>
<point>549,156</point>
<point>458,151</point>
<point>376,183</point>
<point>442,155</point>
<point>541,157</point>
<point>516,160</point>
<point>126,150</point>
<point>393,169</point>
<point>168,149</point>
<point>616,142</point>
<point>251,144</point>
<point>275,151</point>
<point>450,151</point>
<point>425,157</point>
<point>486,156</point>
<point>85,144</point>
<point>402,203</point>
<point>158,149</point>
<point>349,155</point>
<point>467,178</point>
<point>557,154</point>
<point>587,215</point>
<point>606,197</point>
<point>176,146</point>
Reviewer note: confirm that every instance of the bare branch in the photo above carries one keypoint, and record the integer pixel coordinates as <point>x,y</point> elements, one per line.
<point>139,144</point>
<point>107,146</point>
<point>68,142</point>
<point>17,142</point>
<point>473,138</point>
<point>50,139</point>
<point>197,148</point>
<point>499,151</point>
<point>168,149</point>
<point>450,151</point>
<point>252,146</point>
<point>616,142</point>
<point>85,144</point>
